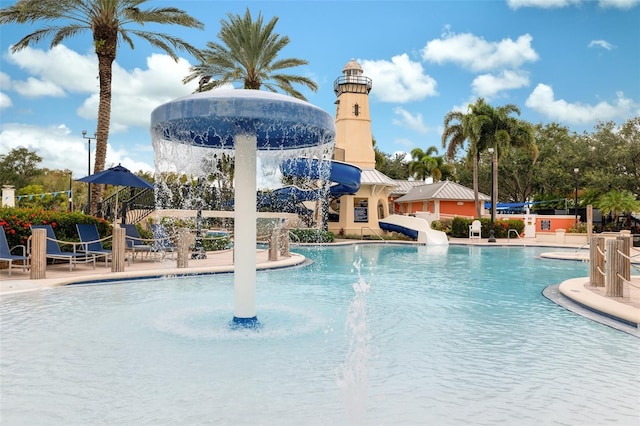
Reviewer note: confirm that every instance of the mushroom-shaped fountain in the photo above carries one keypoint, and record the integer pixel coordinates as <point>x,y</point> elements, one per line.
<point>243,121</point>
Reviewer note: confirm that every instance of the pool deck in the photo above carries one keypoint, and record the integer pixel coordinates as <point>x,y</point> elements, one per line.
<point>577,291</point>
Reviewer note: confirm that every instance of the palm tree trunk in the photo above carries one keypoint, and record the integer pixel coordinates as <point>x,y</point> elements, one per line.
<point>105,62</point>
<point>476,193</point>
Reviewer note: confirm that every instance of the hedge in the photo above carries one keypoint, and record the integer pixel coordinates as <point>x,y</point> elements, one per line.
<point>460,227</point>
<point>17,223</point>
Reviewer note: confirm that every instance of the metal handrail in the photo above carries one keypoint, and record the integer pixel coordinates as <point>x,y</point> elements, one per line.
<point>517,235</point>
<point>372,230</point>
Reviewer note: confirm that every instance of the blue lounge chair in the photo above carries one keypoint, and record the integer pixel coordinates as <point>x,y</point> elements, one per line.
<point>91,242</point>
<point>162,240</point>
<point>135,243</point>
<point>54,252</point>
<point>6,254</point>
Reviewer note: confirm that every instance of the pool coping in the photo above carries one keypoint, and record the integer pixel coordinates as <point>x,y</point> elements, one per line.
<point>614,316</point>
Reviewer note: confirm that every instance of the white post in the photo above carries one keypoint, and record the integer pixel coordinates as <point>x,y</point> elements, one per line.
<point>8,196</point>
<point>244,230</point>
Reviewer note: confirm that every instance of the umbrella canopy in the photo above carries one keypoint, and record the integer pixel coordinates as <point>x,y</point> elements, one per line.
<point>118,176</point>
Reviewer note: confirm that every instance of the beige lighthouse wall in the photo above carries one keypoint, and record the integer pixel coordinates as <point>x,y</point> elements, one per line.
<point>353,132</point>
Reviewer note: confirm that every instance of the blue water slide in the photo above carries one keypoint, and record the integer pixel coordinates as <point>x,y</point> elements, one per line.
<point>345,176</point>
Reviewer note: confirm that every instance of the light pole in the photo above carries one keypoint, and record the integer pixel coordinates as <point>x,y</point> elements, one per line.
<point>84,135</point>
<point>575,204</point>
<point>492,232</point>
<point>70,191</point>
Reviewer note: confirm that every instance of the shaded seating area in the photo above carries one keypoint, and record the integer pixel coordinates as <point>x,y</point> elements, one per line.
<point>7,254</point>
<point>135,243</point>
<point>91,242</point>
<point>54,252</point>
<point>162,240</point>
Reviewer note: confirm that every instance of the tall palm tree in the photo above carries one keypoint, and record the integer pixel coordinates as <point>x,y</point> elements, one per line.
<point>107,21</point>
<point>495,128</point>
<point>457,132</point>
<point>248,54</point>
<point>484,127</point>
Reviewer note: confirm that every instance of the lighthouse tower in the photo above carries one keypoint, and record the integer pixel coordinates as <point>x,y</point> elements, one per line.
<point>358,213</point>
<point>354,142</point>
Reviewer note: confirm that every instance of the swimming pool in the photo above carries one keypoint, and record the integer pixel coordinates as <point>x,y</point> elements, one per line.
<point>370,334</point>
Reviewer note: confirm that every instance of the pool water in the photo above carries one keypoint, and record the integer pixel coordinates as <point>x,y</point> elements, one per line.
<point>370,334</point>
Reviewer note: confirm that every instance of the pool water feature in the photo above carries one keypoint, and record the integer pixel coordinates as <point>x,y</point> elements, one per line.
<point>369,334</point>
<point>243,121</point>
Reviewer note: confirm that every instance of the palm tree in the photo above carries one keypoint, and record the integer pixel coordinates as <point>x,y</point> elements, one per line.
<point>425,163</point>
<point>248,55</point>
<point>484,127</point>
<point>107,21</point>
<point>617,202</point>
<point>457,132</point>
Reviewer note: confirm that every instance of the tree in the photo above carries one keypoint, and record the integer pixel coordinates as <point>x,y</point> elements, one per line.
<point>484,127</point>
<point>248,55</point>
<point>422,163</point>
<point>19,167</point>
<point>617,202</point>
<point>426,164</point>
<point>108,23</point>
<point>458,130</point>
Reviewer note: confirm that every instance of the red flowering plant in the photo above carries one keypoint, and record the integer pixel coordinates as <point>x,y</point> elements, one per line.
<point>17,223</point>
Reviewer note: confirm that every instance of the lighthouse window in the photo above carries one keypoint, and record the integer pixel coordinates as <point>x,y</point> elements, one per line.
<point>356,110</point>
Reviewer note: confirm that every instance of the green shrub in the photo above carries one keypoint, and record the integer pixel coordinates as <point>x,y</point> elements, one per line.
<point>443,225</point>
<point>17,223</point>
<point>460,227</point>
<point>312,235</point>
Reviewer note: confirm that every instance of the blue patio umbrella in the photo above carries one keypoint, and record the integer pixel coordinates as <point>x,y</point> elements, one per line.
<point>117,176</point>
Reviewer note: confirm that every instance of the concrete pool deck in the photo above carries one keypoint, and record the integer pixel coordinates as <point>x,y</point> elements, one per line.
<point>576,290</point>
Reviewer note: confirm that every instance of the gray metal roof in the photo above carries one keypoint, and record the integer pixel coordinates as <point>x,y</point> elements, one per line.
<point>374,177</point>
<point>444,190</point>
<point>404,186</point>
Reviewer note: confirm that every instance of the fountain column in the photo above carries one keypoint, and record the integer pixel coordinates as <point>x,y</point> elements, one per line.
<point>244,231</point>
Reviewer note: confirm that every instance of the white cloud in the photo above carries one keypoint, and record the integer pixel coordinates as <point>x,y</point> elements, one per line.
<point>544,4</point>
<point>619,4</point>
<point>552,4</point>
<point>5,101</point>
<point>413,122</point>
<point>542,100</point>
<point>601,43</point>
<point>400,80</point>
<point>138,92</point>
<point>135,93</point>
<point>59,66</point>
<point>36,88</point>
<point>60,148</point>
<point>488,85</point>
<point>478,54</point>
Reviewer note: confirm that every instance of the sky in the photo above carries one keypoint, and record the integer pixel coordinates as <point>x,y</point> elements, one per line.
<point>571,62</point>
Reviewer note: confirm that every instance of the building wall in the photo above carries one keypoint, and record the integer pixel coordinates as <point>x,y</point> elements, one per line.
<point>442,207</point>
<point>359,213</point>
<point>353,132</point>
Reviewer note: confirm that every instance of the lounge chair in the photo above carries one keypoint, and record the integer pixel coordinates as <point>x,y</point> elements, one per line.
<point>162,240</point>
<point>475,229</point>
<point>6,254</point>
<point>135,243</point>
<point>91,241</point>
<point>54,252</point>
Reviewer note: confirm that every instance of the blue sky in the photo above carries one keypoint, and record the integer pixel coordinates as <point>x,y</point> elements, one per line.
<point>572,62</point>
